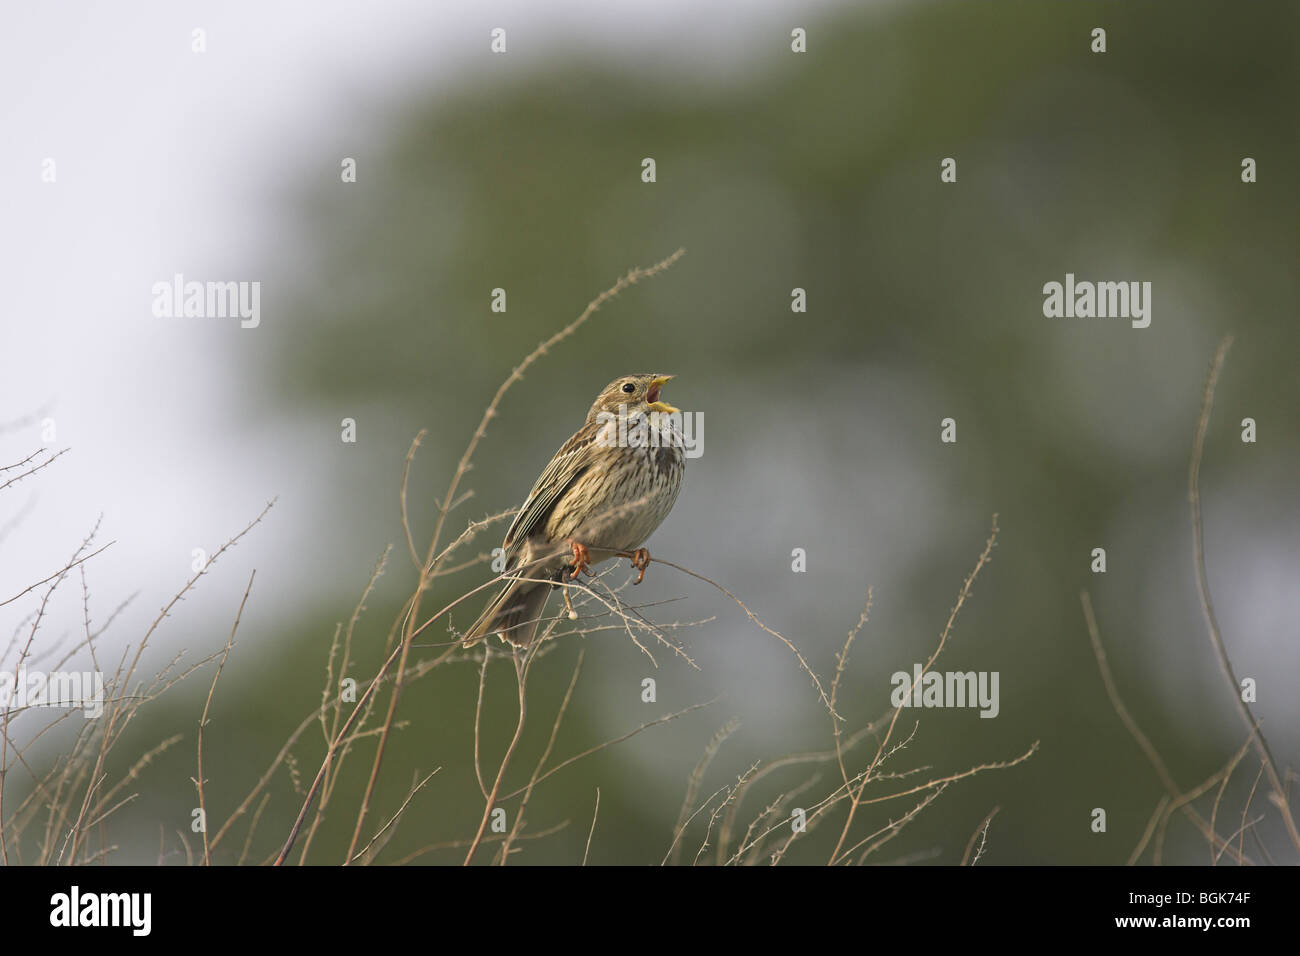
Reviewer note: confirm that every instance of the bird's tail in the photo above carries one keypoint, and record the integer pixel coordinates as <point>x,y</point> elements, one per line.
<point>514,613</point>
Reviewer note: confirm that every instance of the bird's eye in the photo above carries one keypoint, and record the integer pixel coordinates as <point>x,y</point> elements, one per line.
<point>629,387</point>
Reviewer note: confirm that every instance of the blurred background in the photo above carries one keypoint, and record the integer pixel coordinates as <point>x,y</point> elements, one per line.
<point>776,170</point>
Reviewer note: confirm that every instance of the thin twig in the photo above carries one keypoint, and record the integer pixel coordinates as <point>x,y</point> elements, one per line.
<point>1148,749</point>
<point>590,833</point>
<point>981,831</point>
<point>1207,606</point>
<point>962,595</point>
<point>203,721</point>
<point>521,674</point>
<point>393,819</point>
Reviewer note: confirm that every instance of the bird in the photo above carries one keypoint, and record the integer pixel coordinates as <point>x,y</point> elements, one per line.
<point>601,496</point>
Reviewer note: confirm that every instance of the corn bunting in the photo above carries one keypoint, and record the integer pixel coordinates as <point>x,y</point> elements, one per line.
<point>602,495</point>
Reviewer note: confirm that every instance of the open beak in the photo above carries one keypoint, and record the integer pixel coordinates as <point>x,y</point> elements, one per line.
<point>652,396</point>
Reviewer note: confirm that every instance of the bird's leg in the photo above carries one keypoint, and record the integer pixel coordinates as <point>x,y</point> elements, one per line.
<point>640,561</point>
<point>581,558</point>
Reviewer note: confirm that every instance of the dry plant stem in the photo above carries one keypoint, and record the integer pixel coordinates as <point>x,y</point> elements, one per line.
<point>332,690</point>
<point>400,654</point>
<point>718,811</point>
<point>404,650</point>
<point>952,778</point>
<point>478,719</point>
<point>331,753</point>
<point>592,832</point>
<point>753,617</point>
<point>1241,831</point>
<point>123,679</point>
<point>840,792</point>
<point>610,743</point>
<point>23,656</point>
<point>406,474</point>
<point>631,622</point>
<point>982,832</point>
<point>1214,809</point>
<point>1177,804</point>
<point>393,819</point>
<point>461,844</point>
<point>679,831</point>
<point>79,776</point>
<point>203,721</point>
<point>332,687</point>
<point>889,830</point>
<point>841,661</point>
<point>248,838</point>
<point>772,811</point>
<point>728,824</point>
<point>33,470</point>
<point>1148,749</point>
<point>57,574</point>
<point>546,754</point>
<point>343,737</point>
<point>1156,816</point>
<point>471,530</point>
<point>1250,798</point>
<point>56,817</point>
<point>19,464</point>
<point>695,780</point>
<point>263,780</point>
<point>1117,703</point>
<point>1207,607</point>
<point>856,795</point>
<point>430,568</point>
<point>521,675</point>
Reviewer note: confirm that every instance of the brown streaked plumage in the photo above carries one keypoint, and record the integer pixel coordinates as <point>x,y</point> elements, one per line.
<point>606,490</point>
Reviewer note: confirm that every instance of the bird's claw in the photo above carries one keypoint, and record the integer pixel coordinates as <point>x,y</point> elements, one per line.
<point>581,561</point>
<point>570,572</point>
<point>640,561</point>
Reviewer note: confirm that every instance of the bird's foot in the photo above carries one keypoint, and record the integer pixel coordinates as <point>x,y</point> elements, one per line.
<point>581,560</point>
<point>640,561</point>
<point>581,563</point>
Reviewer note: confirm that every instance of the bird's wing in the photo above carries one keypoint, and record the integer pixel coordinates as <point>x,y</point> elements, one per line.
<point>573,458</point>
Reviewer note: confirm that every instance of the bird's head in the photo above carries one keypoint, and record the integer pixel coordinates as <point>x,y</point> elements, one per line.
<point>639,393</point>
